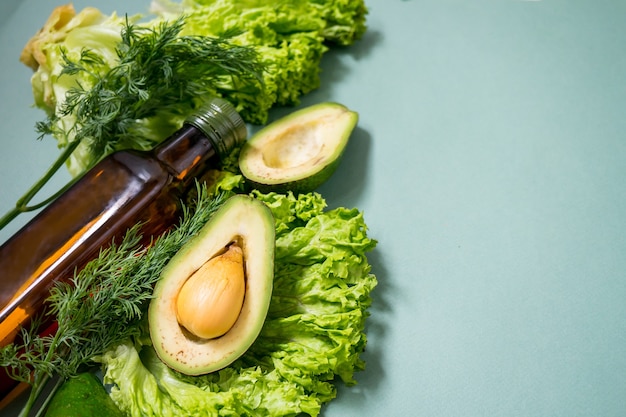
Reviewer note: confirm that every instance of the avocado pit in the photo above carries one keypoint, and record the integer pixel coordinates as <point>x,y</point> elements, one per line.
<point>210,301</point>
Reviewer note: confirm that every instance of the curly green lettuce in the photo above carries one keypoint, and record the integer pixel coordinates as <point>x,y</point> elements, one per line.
<point>290,36</point>
<point>313,336</point>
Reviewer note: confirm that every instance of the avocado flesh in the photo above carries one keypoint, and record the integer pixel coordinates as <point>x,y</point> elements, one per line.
<point>240,219</point>
<point>300,151</point>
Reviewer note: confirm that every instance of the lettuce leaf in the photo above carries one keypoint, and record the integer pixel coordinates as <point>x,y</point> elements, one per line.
<point>290,36</point>
<point>313,335</point>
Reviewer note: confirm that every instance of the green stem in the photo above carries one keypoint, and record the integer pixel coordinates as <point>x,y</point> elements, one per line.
<point>54,196</point>
<point>53,391</point>
<point>41,379</point>
<point>38,385</point>
<point>21,206</point>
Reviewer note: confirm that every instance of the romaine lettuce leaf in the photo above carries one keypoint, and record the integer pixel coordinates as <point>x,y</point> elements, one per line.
<point>313,335</point>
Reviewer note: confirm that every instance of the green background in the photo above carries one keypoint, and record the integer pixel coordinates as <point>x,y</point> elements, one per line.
<point>489,160</point>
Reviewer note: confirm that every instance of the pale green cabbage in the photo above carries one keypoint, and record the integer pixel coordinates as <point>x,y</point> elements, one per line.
<point>89,29</point>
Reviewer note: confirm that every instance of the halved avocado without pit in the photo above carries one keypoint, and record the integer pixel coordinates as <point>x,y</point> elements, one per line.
<point>212,298</point>
<point>300,151</point>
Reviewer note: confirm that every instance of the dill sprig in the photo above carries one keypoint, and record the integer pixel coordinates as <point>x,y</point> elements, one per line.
<point>103,304</point>
<point>158,71</point>
<point>158,74</point>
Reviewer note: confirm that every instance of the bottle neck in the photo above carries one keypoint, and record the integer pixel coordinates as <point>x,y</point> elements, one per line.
<point>185,152</point>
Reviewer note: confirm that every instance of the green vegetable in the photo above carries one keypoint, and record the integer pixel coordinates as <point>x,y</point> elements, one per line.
<point>314,331</point>
<point>82,396</point>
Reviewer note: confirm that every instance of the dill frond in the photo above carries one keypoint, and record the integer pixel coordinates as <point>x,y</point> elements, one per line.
<point>158,71</point>
<point>103,304</point>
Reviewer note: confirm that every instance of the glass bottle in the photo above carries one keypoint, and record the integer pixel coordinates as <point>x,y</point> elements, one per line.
<point>125,188</point>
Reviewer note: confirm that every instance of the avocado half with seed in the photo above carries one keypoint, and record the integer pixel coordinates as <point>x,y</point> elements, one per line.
<point>300,151</point>
<point>213,296</point>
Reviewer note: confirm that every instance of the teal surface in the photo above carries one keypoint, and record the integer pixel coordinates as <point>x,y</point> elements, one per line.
<point>490,162</point>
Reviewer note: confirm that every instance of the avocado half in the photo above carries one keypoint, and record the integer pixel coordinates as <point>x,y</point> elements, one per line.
<point>300,151</point>
<point>248,223</point>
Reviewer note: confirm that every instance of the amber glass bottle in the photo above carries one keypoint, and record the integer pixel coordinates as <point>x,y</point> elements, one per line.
<point>124,189</point>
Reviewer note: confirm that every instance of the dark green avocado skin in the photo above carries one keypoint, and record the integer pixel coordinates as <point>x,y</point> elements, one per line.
<point>82,396</point>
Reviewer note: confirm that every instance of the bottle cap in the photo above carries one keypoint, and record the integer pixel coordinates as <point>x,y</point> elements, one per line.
<point>223,126</point>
